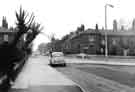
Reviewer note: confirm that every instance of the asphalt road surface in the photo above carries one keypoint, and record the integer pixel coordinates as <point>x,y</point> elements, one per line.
<point>101,78</point>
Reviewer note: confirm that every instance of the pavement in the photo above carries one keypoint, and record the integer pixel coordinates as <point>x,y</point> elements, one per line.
<point>107,61</point>
<point>37,74</point>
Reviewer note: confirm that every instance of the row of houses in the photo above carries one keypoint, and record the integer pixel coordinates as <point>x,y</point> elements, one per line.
<point>92,41</point>
<point>7,34</point>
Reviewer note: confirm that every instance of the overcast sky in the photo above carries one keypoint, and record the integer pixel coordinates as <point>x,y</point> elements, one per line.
<point>63,16</point>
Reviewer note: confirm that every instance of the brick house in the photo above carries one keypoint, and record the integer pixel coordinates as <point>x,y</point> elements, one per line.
<point>92,41</point>
<point>121,43</point>
<point>6,35</point>
<point>88,42</point>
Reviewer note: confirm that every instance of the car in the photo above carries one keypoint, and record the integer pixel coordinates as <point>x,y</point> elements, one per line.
<point>57,58</point>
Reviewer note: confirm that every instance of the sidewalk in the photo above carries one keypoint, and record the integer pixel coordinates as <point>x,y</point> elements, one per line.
<point>36,73</point>
<point>94,60</point>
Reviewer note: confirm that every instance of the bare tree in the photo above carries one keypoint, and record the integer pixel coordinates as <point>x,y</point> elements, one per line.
<point>35,29</point>
<point>28,28</point>
<point>23,26</point>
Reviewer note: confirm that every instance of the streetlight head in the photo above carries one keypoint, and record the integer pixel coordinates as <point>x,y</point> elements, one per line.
<point>110,5</point>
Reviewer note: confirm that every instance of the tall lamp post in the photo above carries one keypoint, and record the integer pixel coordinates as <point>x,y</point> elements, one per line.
<point>106,46</point>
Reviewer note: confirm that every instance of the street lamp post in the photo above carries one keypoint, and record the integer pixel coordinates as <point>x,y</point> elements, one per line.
<point>106,46</point>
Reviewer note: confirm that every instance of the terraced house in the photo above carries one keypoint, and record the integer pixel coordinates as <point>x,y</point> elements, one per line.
<point>6,34</point>
<point>92,41</point>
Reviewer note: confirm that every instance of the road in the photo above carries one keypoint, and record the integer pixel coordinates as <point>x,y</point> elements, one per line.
<point>101,78</point>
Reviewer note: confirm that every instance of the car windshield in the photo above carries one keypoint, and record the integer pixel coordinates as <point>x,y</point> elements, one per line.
<point>57,54</point>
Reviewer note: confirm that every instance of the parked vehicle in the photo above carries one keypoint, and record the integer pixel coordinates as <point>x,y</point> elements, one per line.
<point>57,58</point>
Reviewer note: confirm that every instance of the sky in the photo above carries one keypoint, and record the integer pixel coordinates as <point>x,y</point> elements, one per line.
<point>60,17</point>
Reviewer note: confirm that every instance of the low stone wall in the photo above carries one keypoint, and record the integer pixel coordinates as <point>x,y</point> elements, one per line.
<point>20,65</point>
<point>85,56</point>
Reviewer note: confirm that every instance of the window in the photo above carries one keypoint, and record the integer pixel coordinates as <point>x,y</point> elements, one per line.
<point>103,42</point>
<point>6,37</point>
<point>114,42</point>
<point>91,39</point>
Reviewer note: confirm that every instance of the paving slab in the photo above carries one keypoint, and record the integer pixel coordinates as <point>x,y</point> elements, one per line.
<point>36,73</point>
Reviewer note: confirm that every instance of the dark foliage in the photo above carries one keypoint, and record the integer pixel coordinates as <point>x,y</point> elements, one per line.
<point>11,53</point>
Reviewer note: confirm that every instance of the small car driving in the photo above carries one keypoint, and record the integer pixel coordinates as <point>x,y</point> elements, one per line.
<point>57,59</point>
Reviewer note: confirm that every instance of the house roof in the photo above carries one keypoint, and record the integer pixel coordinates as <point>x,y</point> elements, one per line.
<point>111,32</point>
<point>120,33</point>
<point>108,32</point>
<point>5,30</point>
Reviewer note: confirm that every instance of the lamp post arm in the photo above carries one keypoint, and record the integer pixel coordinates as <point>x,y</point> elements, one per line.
<point>110,5</point>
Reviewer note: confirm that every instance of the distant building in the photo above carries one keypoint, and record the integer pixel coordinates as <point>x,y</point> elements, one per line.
<point>6,35</point>
<point>121,43</point>
<point>92,41</point>
<point>85,42</point>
